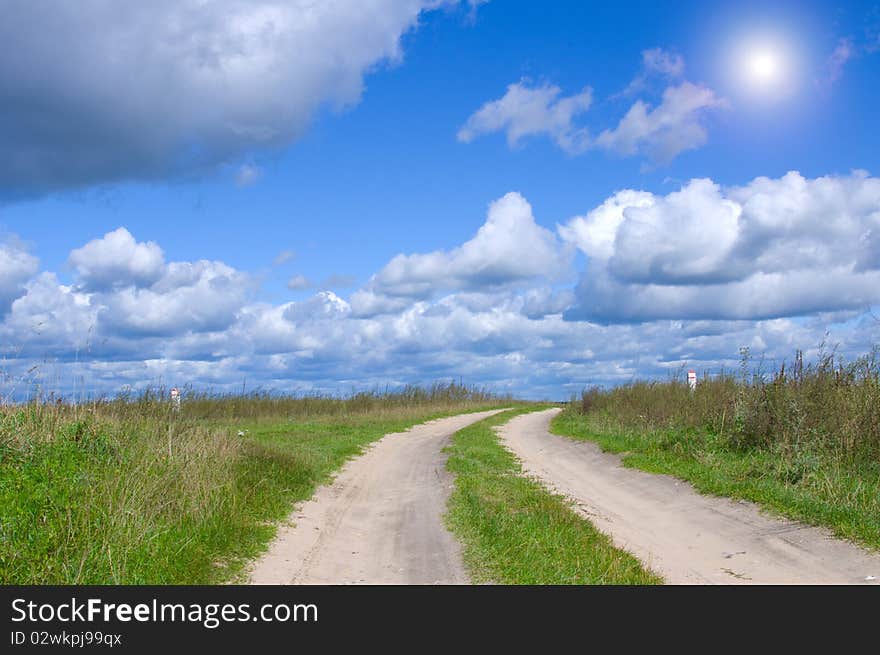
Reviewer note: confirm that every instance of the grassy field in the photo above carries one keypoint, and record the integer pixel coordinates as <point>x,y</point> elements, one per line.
<point>803,441</point>
<point>130,492</point>
<point>516,532</point>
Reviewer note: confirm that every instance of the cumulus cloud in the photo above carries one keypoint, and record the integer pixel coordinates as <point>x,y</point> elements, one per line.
<point>596,232</point>
<point>117,260</point>
<point>318,345</point>
<point>324,305</point>
<point>198,296</point>
<point>17,266</point>
<point>367,303</point>
<point>775,265</point>
<point>299,282</point>
<point>131,290</point>
<point>509,248</point>
<point>691,232</point>
<point>543,301</point>
<point>772,248</point>
<point>656,63</point>
<point>49,319</point>
<point>663,132</point>
<point>174,87</point>
<point>659,133</point>
<point>525,111</point>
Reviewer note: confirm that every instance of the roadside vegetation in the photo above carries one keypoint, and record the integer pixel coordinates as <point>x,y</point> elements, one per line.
<point>516,532</point>
<point>129,491</point>
<point>803,441</point>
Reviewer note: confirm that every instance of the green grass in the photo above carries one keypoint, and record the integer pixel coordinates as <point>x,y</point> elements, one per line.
<point>806,480</point>
<point>90,495</point>
<point>516,532</point>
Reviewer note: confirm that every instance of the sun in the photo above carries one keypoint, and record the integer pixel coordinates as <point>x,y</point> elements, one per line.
<point>763,67</point>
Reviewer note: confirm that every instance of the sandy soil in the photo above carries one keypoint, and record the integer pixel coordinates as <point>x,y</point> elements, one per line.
<point>379,522</point>
<point>675,531</point>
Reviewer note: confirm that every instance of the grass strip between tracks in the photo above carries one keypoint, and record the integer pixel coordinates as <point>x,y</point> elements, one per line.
<point>514,531</point>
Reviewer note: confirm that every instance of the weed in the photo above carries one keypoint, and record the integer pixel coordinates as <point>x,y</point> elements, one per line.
<point>515,531</point>
<point>803,441</point>
<point>127,491</point>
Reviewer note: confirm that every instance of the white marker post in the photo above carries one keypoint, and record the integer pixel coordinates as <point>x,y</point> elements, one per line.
<point>175,399</point>
<point>692,380</point>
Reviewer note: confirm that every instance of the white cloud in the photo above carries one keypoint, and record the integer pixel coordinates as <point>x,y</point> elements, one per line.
<point>324,305</point>
<point>50,318</point>
<point>658,60</point>
<point>509,248</point>
<point>299,282</point>
<point>842,54</point>
<point>836,61</point>
<point>543,301</point>
<point>202,296</point>
<point>685,236</point>
<point>17,266</point>
<point>774,247</point>
<point>116,260</point>
<point>283,257</point>
<point>796,261</point>
<point>663,132</point>
<point>525,111</point>
<point>175,87</point>
<point>318,345</point>
<point>130,291</point>
<point>247,174</point>
<point>366,303</point>
<point>795,222</point>
<point>595,233</point>
<point>759,296</point>
<point>656,63</point>
<point>660,133</point>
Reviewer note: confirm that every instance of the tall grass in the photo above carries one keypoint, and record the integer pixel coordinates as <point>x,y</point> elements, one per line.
<point>803,440</point>
<point>261,404</point>
<point>127,490</point>
<point>829,404</point>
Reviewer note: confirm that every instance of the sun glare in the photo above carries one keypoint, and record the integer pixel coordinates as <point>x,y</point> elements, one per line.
<point>764,68</point>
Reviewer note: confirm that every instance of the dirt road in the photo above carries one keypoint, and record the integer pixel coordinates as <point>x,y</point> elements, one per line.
<point>683,536</point>
<point>379,522</point>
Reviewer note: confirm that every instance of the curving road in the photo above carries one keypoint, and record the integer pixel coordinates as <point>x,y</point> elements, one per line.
<point>380,521</point>
<point>675,531</point>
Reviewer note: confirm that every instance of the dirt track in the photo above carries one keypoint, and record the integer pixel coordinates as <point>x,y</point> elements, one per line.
<point>680,534</point>
<point>379,522</point>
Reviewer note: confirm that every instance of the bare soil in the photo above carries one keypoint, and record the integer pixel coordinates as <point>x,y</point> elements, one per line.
<point>380,521</point>
<point>680,534</point>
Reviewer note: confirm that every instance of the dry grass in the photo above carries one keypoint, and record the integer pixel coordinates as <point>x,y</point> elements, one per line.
<point>828,403</point>
<point>803,440</point>
<point>129,491</point>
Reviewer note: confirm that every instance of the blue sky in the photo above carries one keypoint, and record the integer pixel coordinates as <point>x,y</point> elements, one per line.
<point>314,161</point>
